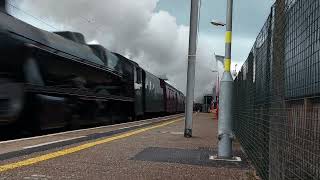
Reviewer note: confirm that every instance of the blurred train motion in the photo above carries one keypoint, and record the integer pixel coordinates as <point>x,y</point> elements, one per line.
<point>55,80</point>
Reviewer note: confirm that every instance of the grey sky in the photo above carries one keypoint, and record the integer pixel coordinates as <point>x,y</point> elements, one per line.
<point>153,33</point>
<point>249,17</point>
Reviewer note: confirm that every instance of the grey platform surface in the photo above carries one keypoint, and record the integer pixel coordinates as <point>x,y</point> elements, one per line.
<point>161,153</point>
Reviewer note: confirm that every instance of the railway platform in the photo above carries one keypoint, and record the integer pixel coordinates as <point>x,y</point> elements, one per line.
<point>151,149</point>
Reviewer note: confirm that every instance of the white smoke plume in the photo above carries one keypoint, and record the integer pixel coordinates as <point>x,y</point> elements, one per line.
<point>130,27</point>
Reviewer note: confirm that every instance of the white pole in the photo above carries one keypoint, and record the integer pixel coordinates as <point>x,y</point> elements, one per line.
<point>194,17</point>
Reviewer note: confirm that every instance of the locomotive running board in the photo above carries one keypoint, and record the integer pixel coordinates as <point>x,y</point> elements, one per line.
<point>75,92</point>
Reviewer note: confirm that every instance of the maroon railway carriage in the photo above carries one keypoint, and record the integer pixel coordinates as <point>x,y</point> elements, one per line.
<point>174,100</point>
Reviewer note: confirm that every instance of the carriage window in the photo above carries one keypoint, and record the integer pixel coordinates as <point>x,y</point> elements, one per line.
<point>139,75</point>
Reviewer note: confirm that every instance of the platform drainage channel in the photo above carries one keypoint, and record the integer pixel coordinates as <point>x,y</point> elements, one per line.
<point>199,157</point>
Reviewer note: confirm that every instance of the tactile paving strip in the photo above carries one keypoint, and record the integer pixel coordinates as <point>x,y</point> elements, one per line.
<point>198,157</point>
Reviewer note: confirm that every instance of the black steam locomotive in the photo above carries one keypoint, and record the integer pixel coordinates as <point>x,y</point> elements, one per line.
<point>53,80</point>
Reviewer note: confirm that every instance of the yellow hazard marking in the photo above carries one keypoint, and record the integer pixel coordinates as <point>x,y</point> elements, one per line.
<point>227,64</point>
<point>64,152</point>
<point>228,37</point>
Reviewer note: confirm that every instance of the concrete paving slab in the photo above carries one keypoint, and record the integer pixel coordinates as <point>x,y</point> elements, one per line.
<point>117,159</point>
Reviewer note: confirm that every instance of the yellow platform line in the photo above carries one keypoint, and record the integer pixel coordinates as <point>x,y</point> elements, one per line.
<point>67,151</point>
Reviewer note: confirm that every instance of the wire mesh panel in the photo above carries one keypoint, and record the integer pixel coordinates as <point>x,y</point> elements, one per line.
<point>277,94</point>
<point>252,101</point>
<point>302,31</point>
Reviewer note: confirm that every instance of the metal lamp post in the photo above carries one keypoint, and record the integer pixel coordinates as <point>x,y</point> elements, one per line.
<point>194,17</point>
<point>216,86</point>
<point>225,134</point>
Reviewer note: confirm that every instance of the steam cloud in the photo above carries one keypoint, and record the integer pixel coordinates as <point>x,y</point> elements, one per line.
<point>133,28</point>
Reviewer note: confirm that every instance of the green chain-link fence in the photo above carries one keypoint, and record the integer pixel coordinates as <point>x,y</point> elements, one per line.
<point>277,94</point>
